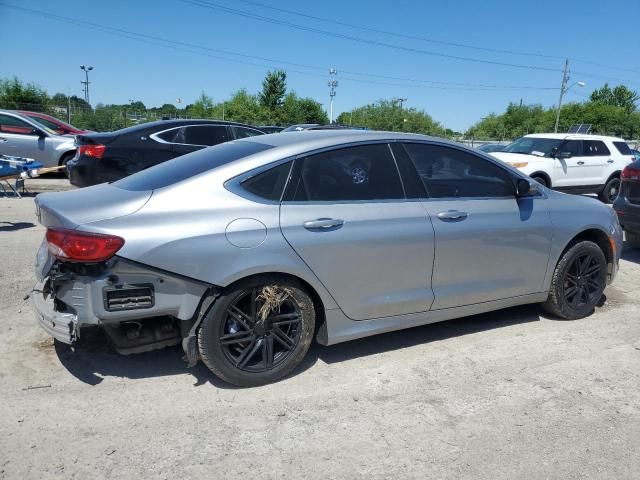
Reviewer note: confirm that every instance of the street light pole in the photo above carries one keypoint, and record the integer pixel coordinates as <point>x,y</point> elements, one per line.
<point>564,89</point>
<point>86,69</point>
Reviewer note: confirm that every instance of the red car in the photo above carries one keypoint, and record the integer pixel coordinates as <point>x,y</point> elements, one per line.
<point>58,126</point>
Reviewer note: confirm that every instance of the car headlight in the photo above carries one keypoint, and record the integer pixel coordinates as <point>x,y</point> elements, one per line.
<point>519,164</point>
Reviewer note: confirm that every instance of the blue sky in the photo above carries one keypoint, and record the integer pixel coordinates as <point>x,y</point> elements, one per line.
<point>48,52</point>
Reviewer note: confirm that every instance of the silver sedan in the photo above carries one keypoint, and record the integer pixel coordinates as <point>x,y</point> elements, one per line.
<point>24,137</point>
<point>247,251</point>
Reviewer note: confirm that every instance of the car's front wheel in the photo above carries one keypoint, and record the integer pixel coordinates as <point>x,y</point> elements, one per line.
<point>578,281</point>
<point>541,180</point>
<point>258,331</point>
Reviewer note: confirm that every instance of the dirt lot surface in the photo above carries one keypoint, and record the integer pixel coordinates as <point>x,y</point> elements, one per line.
<point>505,395</point>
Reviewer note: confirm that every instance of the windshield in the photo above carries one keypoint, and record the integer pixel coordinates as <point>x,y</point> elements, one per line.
<point>190,165</point>
<point>541,147</point>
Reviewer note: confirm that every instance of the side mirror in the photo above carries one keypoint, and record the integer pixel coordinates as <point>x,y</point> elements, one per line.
<point>523,187</point>
<point>38,132</point>
<point>563,155</point>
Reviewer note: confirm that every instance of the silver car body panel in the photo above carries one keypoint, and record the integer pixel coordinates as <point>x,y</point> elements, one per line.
<point>392,265</point>
<point>46,148</point>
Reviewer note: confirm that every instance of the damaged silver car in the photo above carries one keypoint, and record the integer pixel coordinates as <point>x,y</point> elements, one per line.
<point>245,252</point>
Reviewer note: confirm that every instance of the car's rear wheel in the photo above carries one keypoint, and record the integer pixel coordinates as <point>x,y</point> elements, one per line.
<point>610,191</point>
<point>578,281</point>
<point>258,331</point>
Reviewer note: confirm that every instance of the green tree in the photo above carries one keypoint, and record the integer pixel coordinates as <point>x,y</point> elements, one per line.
<point>274,88</point>
<point>387,115</point>
<point>17,95</point>
<point>203,107</point>
<point>619,96</point>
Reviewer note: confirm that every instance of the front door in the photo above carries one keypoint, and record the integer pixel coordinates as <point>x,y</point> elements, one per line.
<point>19,138</point>
<point>489,245</point>
<point>569,165</point>
<point>345,214</point>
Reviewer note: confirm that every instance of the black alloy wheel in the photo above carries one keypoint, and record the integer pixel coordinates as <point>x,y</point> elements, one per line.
<point>257,332</point>
<point>255,344</point>
<point>582,281</point>
<point>578,281</point>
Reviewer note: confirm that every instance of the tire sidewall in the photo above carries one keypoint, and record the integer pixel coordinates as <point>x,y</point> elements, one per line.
<point>211,351</point>
<point>565,264</point>
<point>605,197</point>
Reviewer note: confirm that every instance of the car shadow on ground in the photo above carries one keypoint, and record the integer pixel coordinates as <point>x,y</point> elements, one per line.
<point>93,359</point>
<point>630,254</point>
<point>11,226</point>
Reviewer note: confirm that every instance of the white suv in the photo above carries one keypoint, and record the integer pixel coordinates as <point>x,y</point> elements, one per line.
<point>571,162</point>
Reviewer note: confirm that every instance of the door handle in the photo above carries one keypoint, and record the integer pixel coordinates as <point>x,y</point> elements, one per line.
<point>610,161</point>
<point>2,139</point>
<point>453,215</point>
<point>323,224</point>
<point>580,162</point>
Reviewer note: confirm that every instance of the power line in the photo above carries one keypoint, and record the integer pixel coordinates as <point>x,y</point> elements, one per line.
<point>430,40</point>
<point>262,18</point>
<point>399,35</point>
<point>189,48</point>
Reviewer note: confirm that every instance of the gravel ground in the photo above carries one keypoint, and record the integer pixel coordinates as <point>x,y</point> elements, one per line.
<point>510,394</point>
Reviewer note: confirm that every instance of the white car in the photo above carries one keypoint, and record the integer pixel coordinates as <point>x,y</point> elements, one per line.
<point>571,162</point>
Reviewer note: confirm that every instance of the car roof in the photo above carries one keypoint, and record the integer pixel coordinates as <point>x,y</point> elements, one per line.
<point>314,139</point>
<point>159,125</point>
<point>574,136</point>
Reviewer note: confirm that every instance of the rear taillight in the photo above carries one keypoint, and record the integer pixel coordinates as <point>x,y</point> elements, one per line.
<point>76,246</point>
<point>95,151</point>
<point>630,173</point>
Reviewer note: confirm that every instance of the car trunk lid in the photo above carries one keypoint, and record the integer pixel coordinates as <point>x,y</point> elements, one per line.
<point>77,207</point>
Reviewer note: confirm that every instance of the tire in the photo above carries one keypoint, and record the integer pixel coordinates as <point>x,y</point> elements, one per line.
<point>633,240</point>
<point>63,161</point>
<point>610,191</point>
<point>541,180</point>
<point>246,349</point>
<point>569,273</point>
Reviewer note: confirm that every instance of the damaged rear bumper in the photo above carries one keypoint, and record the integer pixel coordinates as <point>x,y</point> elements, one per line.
<point>60,325</point>
<point>118,292</point>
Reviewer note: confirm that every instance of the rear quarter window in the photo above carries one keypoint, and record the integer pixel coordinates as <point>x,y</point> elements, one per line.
<point>623,148</point>
<point>190,165</point>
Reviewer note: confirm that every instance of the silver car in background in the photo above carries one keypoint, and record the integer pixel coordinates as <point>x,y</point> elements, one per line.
<point>22,136</point>
<point>246,251</point>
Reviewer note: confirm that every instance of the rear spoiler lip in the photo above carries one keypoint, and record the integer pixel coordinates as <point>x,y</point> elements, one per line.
<point>94,139</point>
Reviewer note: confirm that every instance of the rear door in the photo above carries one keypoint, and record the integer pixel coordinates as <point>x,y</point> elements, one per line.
<point>597,160</point>
<point>489,245</point>
<point>195,137</point>
<point>245,132</point>
<point>345,214</point>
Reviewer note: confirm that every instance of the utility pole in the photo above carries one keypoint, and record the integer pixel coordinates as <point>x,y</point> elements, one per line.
<point>563,89</point>
<point>333,84</point>
<point>86,82</point>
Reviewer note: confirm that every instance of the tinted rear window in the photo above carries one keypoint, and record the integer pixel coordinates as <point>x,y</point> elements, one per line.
<point>623,148</point>
<point>189,165</point>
